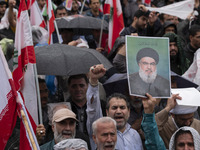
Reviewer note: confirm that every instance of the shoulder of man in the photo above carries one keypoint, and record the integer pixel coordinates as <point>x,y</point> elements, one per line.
<point>48,146</point>
<point>128,31</point>
<point>195,125</point>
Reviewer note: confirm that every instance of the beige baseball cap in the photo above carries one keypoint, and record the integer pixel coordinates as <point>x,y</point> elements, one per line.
<point>63,114</point>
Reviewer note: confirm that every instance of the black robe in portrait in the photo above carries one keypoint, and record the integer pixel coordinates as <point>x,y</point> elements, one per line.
<point>159,88</point>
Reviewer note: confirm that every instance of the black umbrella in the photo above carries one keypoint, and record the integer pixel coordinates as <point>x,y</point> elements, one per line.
<point>182,82</point>
<point>61,59</point>
<point>80,24</point>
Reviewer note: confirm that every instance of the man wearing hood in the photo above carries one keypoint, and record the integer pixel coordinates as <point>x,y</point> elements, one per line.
<point>178,62</point>
<point>180,116</point>
<point>183,138</point>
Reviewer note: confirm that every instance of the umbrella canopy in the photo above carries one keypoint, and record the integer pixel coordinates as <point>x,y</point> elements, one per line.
<point>81,25</point>
<point>61,59</point>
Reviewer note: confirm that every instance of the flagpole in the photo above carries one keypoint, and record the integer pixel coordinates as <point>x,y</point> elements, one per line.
<point>82,7</point>
<point>27,123</point>
<point>57,32</point>
<point>100,38</point>
<point>28,129</point>
<point>38,94</point>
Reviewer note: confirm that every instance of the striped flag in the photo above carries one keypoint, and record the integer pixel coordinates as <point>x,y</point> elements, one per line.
<point>8,105</point>
<point>24,58</point>
<point>23,75</point>
<point>50,22</point>
<point>116,22</point>
<point>36,17</point>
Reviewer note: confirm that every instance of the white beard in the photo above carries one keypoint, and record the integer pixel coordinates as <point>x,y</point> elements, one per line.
<point>59,137</point>
<point>148,78</point>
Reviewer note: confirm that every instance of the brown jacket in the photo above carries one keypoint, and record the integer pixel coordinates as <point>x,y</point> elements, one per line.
<point>167,127</point>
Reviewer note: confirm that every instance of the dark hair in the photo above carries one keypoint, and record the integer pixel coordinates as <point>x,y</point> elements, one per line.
<point>194,29</point>
<point>60,7</point>
<point>181,132</point>
<point>140,13</point>
<point>118,96</point>
<point>41,80</point>
<point>79,76</point>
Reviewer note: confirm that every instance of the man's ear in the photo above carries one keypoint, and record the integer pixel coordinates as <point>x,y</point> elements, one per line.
<point>106,112</point>
<point>135,18</point>
<point>190,37</point>
<point>53,127</point>
<point>94,138</point>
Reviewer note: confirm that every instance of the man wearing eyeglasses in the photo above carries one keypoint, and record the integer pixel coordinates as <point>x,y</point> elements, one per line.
<point>147,80</point>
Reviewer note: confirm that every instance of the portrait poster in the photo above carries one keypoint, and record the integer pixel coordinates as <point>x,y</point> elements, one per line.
<point>148,66</point>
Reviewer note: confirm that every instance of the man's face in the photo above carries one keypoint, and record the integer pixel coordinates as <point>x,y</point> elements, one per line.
<point>195,40</point>
<point>67,35</point>
<point>43,94</point>
<point>95,5</point>
<point>78,89</point>
<point>173,48</point>
<point>141,22</point>
<point>61,13</point>
<point>75,5</point>
<point>119,111</point>
<point>2,9</point>
<point>64,129</point>
<point>168,18</point>
<point>106,136</point>
<point>41,3</point>
<point>184,120</point>
<point>148,65</point>
<point>170,29</point>
<point>185,142</point>
<point>135,102</point>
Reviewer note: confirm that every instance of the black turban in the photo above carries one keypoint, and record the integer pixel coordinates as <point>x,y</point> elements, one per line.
<point>147,52</point>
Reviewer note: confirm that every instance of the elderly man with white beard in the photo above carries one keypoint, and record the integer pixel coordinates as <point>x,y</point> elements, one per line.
<point>64,127</point>
<point>147,80</point>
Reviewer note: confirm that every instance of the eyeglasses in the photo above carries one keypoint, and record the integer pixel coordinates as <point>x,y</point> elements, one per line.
<point>146,64</point>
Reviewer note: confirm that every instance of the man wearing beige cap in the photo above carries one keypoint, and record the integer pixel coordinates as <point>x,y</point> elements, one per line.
<point>180,116</point>
<point>63,126</point>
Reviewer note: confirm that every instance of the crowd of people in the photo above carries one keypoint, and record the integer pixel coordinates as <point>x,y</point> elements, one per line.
<point>79,113</point>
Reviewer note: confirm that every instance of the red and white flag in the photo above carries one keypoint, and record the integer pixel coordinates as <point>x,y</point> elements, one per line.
<point>24,58</point>
<point>116,22</point>
<point>50,22</point>
<point>8,105</point>
<point>36,17</point>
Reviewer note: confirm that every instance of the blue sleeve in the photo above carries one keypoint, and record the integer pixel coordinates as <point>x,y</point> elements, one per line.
<point>153,141</point>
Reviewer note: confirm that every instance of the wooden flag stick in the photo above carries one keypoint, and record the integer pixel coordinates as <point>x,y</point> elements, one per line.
<point>28,129</point>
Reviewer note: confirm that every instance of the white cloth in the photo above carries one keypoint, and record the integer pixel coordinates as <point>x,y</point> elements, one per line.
<point>193,73</point>
<point>71,144</point>
<point>129,139</point>
<point>180,9</point>
<point>195,136</point>
<point>93,110</point>
<point>4,21</point>
<point>180,109</point>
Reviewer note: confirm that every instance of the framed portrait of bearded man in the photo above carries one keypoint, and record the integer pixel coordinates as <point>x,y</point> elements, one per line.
<point>148,66</point>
